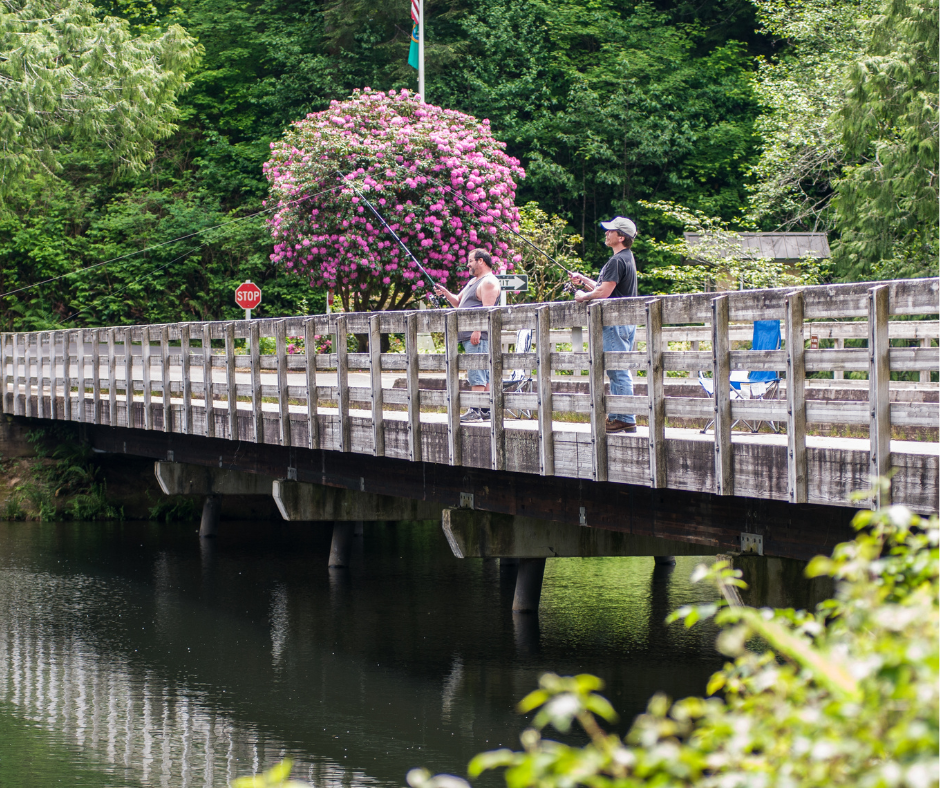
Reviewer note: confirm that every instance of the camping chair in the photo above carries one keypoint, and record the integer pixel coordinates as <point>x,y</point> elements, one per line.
<point>520,381</point>
<point>759,384</point>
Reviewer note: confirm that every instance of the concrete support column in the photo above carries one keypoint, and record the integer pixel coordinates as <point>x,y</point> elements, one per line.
<point>343,532</point>
<point>664,560</point>
<point>209,525</point>
<point>528,585</point>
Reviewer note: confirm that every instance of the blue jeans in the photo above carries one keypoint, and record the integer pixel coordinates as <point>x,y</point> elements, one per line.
<point>477,377</point>
<point>620,338</point>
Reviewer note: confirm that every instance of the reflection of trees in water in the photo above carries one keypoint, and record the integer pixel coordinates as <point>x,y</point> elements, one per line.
<point>154,731</point>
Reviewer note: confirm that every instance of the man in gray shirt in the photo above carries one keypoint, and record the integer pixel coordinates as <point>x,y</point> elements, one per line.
<point>481,291</point>
<point>617,279</point>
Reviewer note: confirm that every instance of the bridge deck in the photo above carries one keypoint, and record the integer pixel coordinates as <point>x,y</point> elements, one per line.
<point>263,398</point>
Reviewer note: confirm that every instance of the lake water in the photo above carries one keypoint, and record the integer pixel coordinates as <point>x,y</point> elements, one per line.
<point>134,655</point>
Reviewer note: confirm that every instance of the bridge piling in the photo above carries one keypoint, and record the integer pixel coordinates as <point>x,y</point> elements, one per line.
<point>528,585</point>
<point>341,546</point>
<point>209,524</point>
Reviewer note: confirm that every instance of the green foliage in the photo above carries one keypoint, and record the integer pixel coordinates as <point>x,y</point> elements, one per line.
<point>68,77</point>
<point>887,204</point>
<point>845,695</point>
<point>550,234</point>
<point>174,508</point>
<point>720,260</point>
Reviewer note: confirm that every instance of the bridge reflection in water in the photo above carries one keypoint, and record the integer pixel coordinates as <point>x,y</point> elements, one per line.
<point>169,664</point>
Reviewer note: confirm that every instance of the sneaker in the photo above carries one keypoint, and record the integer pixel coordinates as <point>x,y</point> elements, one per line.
<point>473,414</point>
<point>615,425</point>
<point>484,414</point>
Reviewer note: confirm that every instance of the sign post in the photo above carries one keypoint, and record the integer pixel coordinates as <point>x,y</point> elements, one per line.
<point>248,296</point>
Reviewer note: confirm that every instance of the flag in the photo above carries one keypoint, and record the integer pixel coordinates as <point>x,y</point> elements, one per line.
<point>413,52</point>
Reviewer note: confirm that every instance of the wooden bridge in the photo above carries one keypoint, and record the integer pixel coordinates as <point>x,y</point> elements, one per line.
<point>233,395</point>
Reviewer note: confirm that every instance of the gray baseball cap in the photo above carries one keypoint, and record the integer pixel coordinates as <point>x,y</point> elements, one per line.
<point>621,223</point>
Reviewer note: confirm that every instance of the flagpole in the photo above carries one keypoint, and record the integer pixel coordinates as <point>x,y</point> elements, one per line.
<point>421,49</point>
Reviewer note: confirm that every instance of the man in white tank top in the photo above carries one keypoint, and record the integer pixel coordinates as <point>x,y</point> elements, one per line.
<point>481,291</point>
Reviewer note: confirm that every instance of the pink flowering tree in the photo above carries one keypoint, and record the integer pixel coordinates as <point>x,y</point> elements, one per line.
<point>438,177</point>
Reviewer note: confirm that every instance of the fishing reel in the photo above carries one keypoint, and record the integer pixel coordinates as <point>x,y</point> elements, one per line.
<point>434,300</point>
<point>569,289</point>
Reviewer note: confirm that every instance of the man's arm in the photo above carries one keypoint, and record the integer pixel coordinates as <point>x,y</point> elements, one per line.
<point>603,290</point>
<point>443,291</point>
<point>488,292</point>
<point>581,280</point>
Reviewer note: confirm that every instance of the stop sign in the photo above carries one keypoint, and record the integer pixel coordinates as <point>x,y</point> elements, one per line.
<point>248,295</point>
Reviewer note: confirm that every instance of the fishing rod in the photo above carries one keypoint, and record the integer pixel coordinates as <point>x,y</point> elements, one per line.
<point>431,296</point>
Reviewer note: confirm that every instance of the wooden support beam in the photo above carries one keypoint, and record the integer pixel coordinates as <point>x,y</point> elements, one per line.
<point>283,405</point>
<point>342,384</point>
<point>4,385</point>
<point>839,345</point>
<point>254,355</point>
<point>310,358</point>
<point>655,394</point>
<point>112,377</point>
<point>414,395</point>
<point>925,373</point>
<point>879,376</point>
<point>208,397</point>
<point>797,484</point>
<point>451,365</point>
<point>165,377</point>
<point>596,386</point>
<point>721,372</point>
<point>231,395</point>
<point>497,427</point>
<point>544,372</point>
<point>375,380</point>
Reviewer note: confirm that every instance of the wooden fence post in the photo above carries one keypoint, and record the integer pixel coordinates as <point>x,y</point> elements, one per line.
<point>721,376</point>
<point>375,379</point>
<point>165,377</point>
<point>797,482</point>
<point>3,373</point>
<point>543,327</point>
<point>342,384</point>
<point>187,378</point>
<point>231,389</point>
<point>40,366</point>
<point>80,336</point>
<point>879,395</point>
<point>497,428</point>
<point>254,356</point>
<point>112,378</point>
<point>596,386</point>
<point>96,374</point>
<point>655,393</point>
<point>283,404</point>
<point>414,395</point>
<point>28,355</point>
<point>67,374</point>
<point>146,370</point>
<point>452,373</point>
<point>128,377</point>
<point>207,379</point>
<point>310,354</point>
<point>54,337</point>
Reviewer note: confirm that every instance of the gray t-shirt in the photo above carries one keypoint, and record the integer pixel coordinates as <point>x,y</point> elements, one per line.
<point>621,269</point>
<point>468,299</point>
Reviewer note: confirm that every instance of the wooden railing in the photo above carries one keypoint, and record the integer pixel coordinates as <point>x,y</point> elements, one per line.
<point>122,376</point>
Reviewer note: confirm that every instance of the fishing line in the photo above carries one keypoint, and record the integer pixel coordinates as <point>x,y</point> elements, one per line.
<point>431,296</point>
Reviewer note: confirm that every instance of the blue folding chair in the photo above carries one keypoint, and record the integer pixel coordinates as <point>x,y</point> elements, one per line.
<point>759,384</point>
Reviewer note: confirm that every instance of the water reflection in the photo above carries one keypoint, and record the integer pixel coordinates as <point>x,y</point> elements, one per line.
<point>163,659</point>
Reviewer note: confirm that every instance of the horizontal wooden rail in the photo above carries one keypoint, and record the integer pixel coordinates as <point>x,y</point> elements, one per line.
<point>229,379</point>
